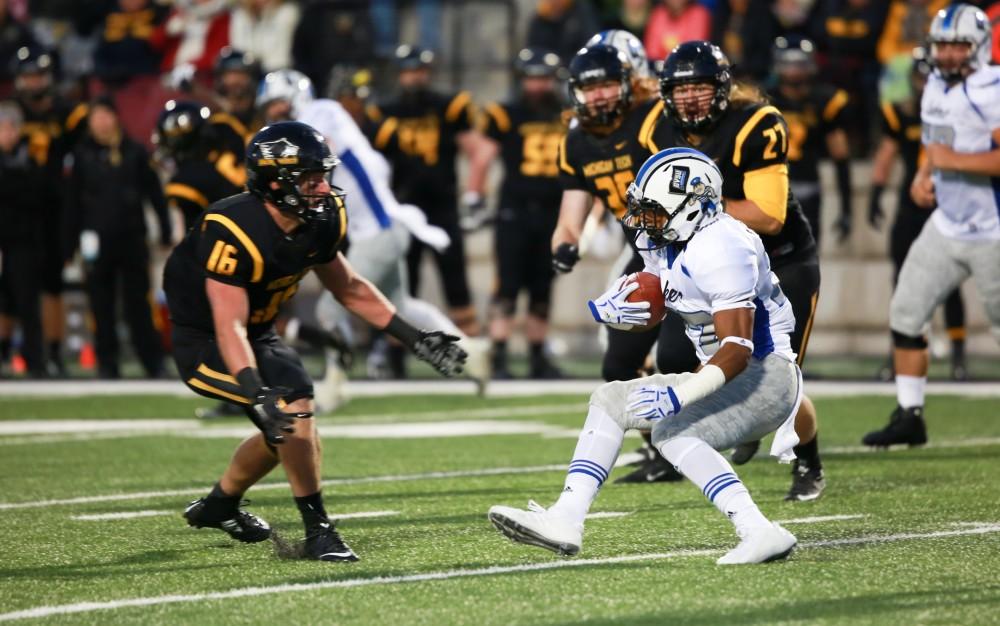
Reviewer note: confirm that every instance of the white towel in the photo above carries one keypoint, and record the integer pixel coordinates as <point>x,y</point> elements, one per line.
<point>785,438</point>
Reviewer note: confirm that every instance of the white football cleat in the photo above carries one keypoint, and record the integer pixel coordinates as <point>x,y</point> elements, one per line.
<point>538,527</point>
<point>760,545</point>
<point>478,366</point>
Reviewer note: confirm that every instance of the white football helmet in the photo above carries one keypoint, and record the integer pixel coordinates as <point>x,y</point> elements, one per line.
<point>961,23</point>
<point>290,85</point>
<point>630,46</point>
<point>676,189</point>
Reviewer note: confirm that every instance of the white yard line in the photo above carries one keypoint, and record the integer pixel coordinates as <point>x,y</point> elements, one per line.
<point>496,389</point>
<point>104,517</point>
<point>819,519</point>
<point>88,607</point>
<point>607,514</point>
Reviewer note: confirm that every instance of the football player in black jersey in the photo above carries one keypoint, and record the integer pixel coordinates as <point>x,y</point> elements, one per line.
<point>749,141</point>
<point>52,126</point>
<point>236,76</point>
<point>226,280</point>
<point>815,114</point>
<point>421,133</point>
<point>901,136</point>
<point>525,132</point>
<point>200,174</point>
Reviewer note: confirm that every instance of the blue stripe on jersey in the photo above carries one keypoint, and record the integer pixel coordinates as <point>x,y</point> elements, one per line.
<point>965,90</point>
<point>685,270</point>
<point>358,171</point>
<point>763,343</point>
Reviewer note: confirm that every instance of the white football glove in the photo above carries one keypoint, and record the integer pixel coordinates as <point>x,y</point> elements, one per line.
<point>613,308</point>
<point>653,403</point>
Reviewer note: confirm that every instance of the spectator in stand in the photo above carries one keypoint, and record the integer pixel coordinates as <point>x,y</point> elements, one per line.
<point>562,26</point>
<point>111,178</point>
<point>727,31</point>
<point>192,35</point>
<point>385,19</point>
<point>124,49</point>
<point>22,239</point>
<point>331,33</point>
<point>672,22</point>
<point>765,21</point>
<point>906,27</point>
<point>264,28</point>
<point>629,15</point>
<point>851,30</point>
<point>14,35</point>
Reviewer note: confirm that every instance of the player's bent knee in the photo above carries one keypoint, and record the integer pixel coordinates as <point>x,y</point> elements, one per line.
<point>674,448</point>
<point>908,342</point>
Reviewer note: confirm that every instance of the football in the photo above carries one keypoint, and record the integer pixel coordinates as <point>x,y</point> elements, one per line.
<point>649,291</point>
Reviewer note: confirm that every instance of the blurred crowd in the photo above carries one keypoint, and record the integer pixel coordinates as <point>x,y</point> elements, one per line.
<point>83,85</point>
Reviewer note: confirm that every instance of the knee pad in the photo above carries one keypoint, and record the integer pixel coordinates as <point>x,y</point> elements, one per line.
<point>908,342</point>
<point>610,398</point>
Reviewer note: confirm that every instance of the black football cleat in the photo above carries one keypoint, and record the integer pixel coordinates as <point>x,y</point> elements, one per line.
<point>654,470</point>
<point>906,426</point>
<point>807,483</point>
<point>243,526</point>
<point>325,544</point>
<point>744,452</point>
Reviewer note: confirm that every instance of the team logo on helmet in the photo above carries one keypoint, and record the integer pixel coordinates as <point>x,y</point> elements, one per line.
<point>278,152</point>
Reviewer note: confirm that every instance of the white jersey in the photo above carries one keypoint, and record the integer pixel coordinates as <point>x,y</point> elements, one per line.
<point>964,116</point>
<point>723,266</point>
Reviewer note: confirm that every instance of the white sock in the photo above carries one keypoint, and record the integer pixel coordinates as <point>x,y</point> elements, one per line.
<point>910,390</point>
<point>707,469</point>
<point>596,452</point>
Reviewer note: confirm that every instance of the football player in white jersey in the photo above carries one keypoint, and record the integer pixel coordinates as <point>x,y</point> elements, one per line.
<point>714,272</point>
<point>378,226</point>
<point>960,115</point>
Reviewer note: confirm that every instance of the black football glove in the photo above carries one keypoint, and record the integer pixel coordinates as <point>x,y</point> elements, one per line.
<point>875,213</point>
<point>271,419</point>
<point>565,257</point>
<point>441,351</point>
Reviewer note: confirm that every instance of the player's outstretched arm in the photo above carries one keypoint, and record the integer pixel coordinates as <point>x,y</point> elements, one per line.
<point>573,211</point>
<point>363,299</point>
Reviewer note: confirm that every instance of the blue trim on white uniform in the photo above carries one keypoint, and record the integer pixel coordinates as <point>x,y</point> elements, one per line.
<point>763,343</point>
<point>358,171</point>
<point>965,90</point>
<point>949,15</point>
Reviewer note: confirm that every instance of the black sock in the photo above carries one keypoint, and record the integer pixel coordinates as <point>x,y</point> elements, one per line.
<point>312,510</point>
<point>5,349</point>
<point>808,453</point>
<point>220,505</point>
<point>957,350</point>
<point>500,354</point>
<point>538,350</point>
<point>55,351</point>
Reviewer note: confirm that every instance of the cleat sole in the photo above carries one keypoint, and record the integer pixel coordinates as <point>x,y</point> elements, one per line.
<point>519,534</point>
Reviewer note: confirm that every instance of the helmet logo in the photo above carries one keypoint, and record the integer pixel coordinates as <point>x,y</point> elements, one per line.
<point>678,178</point>
<point>278,152</point>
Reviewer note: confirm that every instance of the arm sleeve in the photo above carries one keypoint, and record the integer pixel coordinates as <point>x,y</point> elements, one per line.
<point>226,254</point>
<point>761,153</point>
<point>891,125</point>
<point>496,122</point>
<point>460,112</point>
<point>835,110</point>
<point>728,281</point>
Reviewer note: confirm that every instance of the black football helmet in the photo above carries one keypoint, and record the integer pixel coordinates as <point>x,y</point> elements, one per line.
<point>179,128</point>
<point>696,62</point>
<point>282,153</point>
<point>536,62</point>
<point>409,57</point>
<point>793,53</point>
<point>36,61</point>
<point>233,60</point>
<point>599,63</point>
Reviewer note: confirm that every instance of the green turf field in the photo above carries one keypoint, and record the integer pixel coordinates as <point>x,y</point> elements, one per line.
<point>914,536</point>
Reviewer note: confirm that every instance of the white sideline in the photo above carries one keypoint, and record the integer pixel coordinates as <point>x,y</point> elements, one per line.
<point>607,514</point>
<point>822,518</point>
<point>102,517</point>
<point>495,389</point>
<point>87,607</point>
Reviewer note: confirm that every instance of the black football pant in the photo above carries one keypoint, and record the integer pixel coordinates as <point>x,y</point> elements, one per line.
<point>451,262</point>
<point>21,292</point>
<point>122,269</point>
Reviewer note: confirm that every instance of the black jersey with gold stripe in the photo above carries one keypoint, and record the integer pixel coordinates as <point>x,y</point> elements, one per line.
<point>237,242</point>
<point>198,183</point>
<point>809,121</point>
<point>418,134</point>
<point>529,138</point>
<point>901,122</point>
<point>605,165</point>
<point>51,134</point>
<point>750,145</point>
